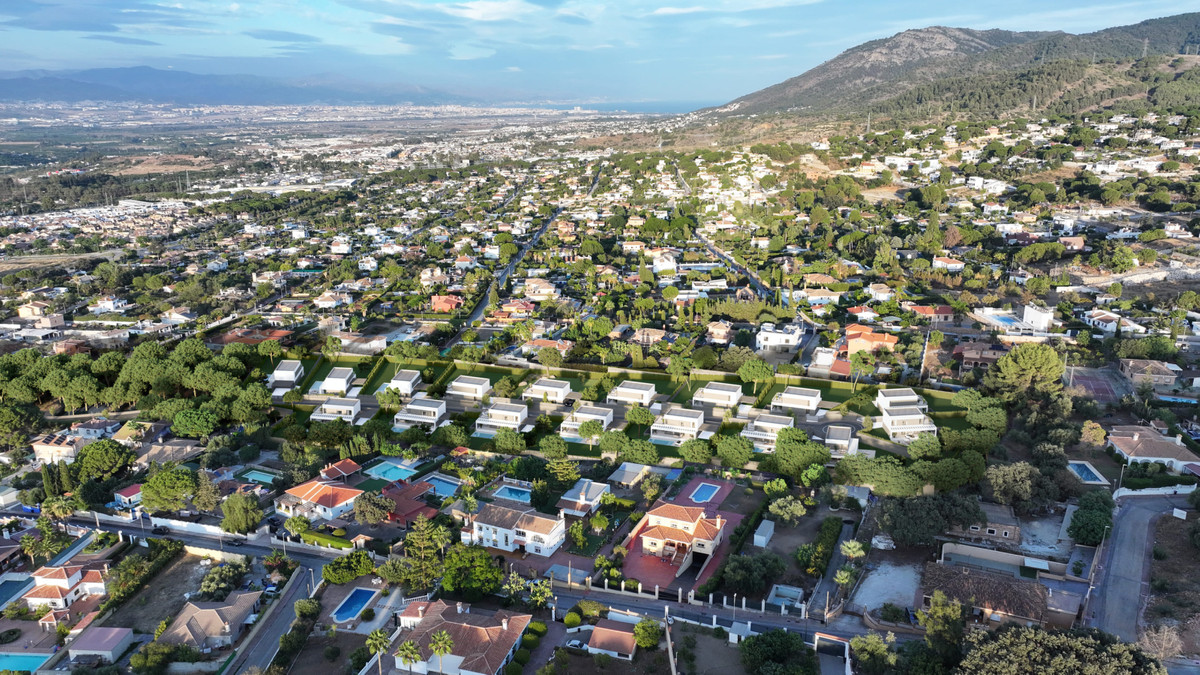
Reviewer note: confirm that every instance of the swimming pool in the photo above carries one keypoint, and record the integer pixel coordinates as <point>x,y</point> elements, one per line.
<point>444,486</point>
<point>18,662</point>
<point>1087,473</point>
<point>391,471</point>
<point>353,604</point>
<point>704,492</point>
<point>1005,319</point>
<point>517,494</point>
<point>260,477</point>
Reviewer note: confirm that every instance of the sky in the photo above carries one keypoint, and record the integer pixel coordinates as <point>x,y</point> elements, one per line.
<point>704,51</point>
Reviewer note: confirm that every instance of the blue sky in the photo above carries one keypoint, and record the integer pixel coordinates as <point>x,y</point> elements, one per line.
<point>561,50</point>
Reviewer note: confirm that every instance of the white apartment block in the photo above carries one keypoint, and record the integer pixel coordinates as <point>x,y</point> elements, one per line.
<point>676,425</point>
<point>764,430</point>
<point>465,386</point>
<point>427,411</point>
<point>549,390</point>
<point>717,395</point>
<point>513,529</point>
<point>796,399</point>
<point>903,414</point>
<point>631,392</point>
<point>501,416</point>
<point>569,429</point>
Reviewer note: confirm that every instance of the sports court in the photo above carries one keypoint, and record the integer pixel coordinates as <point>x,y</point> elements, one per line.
<point>1103,385</point>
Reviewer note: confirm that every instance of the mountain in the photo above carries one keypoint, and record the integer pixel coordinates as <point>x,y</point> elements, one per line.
<point>153,85</point>
<point>947,62</point>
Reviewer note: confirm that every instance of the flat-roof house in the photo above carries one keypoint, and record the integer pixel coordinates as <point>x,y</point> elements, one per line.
<point>512,527</point>
<point>95,429</point>
<point>484,642</point>
<point>405,382</point>
<point>903,414</point>
<point>772,338</point>
<point>613,638</point>
<point>569,429</point>
<point>676,425</point>
<point>103,643</point>
<point>54,448</point>
<point>796,399</point>
<point>717,395</point>
<point>840,440</point>
<point>318,498</point>
<point>337,408</point>
<point>501,416</point>
<point>675,532</point>
<point>338,381</point>
<point>207,625</point>
<point>1136,443</point>
<point>465,386</point>
<point>763,430</point>
<point>427,411</point>
<point>549,390</point>
<point>583,498</point>
<point>632,392</point>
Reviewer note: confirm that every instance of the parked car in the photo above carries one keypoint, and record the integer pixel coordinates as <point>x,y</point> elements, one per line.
<point>576,644</point>
<point>236,542</point>
<point>160,530</point>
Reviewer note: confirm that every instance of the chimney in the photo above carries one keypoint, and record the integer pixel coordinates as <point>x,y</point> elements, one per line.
<point>421,611</point>
<point>1135,435</point>
<point>459,607</point>
<point>504,623</point>
<point>225,627</point>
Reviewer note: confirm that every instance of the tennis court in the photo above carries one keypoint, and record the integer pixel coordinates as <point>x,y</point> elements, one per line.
<point>1103,385</point>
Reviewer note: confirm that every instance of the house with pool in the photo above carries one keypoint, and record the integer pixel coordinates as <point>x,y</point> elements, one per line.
<point>420,411</point>
<point>319,498</point>
<point>569,429</point>
<point>501,416</point>
<point>548,390</point>
<point>484,641</point>
<point>676,533</point>
<point>675,426</point>
<point>59,586</point>
<point>512,526</point>
<point>631,392</point>
<point>763,430</point>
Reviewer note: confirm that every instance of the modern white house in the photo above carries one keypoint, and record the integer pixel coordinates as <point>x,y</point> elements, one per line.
<point>337,408</point>
<point>632,392</point>
<point>840,440</point>
<point>426,411</point>
<point>763,430</point>
<point>405,382</point>
<point>569,430</point>
<point>676,425</point>
<point>903,414</point>
<point>717,395</point>
<point>501,416</point>
<point>465,386</point>
<point>772,338</point>
<point>510,527</point>
<point>338,381</point>
<point>288,374</point>
<point>549,390</point>
<point>583,498</point>
<point>796,399</point>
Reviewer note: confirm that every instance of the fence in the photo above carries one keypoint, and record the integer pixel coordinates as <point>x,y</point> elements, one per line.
<point>1150,492</point>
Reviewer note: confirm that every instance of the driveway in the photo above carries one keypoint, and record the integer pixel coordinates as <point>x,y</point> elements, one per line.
<point>1121,581</point>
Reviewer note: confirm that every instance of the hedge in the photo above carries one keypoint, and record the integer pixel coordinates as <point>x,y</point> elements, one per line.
<point>1161,480</point>
<point>522,656</point>
<point>530,642</point>
<point>827,538</point>
<point>537,628</point>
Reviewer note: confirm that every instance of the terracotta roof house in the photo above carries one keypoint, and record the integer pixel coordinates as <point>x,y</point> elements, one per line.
<point>408,502</point>
<point>212,624</point>
<point>318,498</point>
<point>1136,443</point>
<point>340,470</point>
<point>674,532</point>
<point>484,642</point>
<point>59,586</point>
<point>445,304</point>
<point>1148,371</point>
<point>863,338</point>
<point>613,638</point>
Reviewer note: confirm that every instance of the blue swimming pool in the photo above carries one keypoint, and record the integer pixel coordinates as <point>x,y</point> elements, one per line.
<point>704,492</point>
<point>18,662</point>
<point>1005,319</point>
<point>673,475</point>
<point>260,477</point>
<point>442,485</point>
<point>517,494</point>
<point>391,471</point>
<point>1085,473</point>
<point>353,604</point>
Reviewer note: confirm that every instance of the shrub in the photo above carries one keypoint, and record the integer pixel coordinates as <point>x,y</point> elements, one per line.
<point>339,532</point>
<point>530,642</point>
<point>537,628</point>
<point>592,608</point>
<point>602,660</point>
<point>308,608</point>
<point>514,669</point>
<point>572,620</point>
<point>720,633</point>
<point>367,614</point>
<point>892,613</point>
<point>332,652</point>
<point>522,656</point>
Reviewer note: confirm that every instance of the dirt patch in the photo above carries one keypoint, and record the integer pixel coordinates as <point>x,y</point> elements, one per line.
<point>162,597</point>
<point>738,501</point>
<point>785,542</point>
<point>712,655</point>
<point>1174,585</point>
<point>644,663</point>
<point>889,582</point>
<point>312,661</point>
<point>163,164</point>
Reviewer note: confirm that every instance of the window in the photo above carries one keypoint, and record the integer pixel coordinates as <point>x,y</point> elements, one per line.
<point>1005,533</point>
<point>974,528</point>
<point>991,530</point>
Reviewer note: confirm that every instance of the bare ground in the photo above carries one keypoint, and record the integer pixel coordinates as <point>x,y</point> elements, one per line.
<point>312,661</point>
<point>161,598</point>
<point>1174,585</point>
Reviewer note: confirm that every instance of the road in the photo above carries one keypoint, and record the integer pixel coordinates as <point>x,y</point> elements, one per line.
<point>259,651</point>
<point>759,287</point>
<point>1122,578</point>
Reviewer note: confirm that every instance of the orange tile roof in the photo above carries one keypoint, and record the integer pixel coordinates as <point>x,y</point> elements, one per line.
<point>324,493</point>
<point>613,636</point>
<point>345,467</point>
<point>687,514</point>
<point>46,592</point>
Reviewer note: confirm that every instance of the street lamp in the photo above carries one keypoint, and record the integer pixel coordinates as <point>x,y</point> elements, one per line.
<point>1121,478</point>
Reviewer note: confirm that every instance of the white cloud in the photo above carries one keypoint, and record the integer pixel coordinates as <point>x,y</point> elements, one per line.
<point>673,11</point>
<point>512,69</point>
<point>490,10</point>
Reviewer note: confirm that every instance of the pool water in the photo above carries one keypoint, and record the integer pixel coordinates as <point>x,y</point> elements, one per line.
<point>390,471</point>
<point>18,662</point>
<point>704,492</point>
<point>1085,474</point>
<point>353,604</point>
<point>517,494</point>
<point>260,477</point>
<point>443,486</point>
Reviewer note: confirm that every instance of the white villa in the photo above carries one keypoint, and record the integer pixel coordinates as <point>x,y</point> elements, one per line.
<point>569,429</point>
<point>546,389</point>
<point>338,381</point>
<point>717,395</point>
<point>335,408</point>
<point>465,386</point>
<point>287,374</point>
<point>405,382</point>
<point>59,586</point>
<point>632,392</point>
<point>583,498</point>
<point>903,414</point>
<point>763,431</point>
<point>511,528</point>
<point>840,440</point>
<point>501,416</point>
<point>674,532</point>
<point>428,411</point>
<point>676,425</point>
<point>771,338</point>
<point>796,399</point>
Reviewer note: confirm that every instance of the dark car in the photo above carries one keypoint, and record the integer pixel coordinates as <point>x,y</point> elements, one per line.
<point>160,530</point>
<point>236,542</point>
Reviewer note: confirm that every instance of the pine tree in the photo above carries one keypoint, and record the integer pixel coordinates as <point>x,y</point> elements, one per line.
<point>65,480</point>
<point>207,497</point>
<point>50,481</point>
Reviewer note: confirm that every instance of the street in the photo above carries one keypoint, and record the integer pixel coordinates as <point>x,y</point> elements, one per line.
<point>259,651</point>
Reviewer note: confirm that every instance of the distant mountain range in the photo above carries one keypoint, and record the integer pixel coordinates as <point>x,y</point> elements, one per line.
<point>924,72</point>
<point>153,85</point>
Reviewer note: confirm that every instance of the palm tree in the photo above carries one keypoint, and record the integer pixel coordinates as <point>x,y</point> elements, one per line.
<point>440,537</point>
<point>844,577</point>
<point>408,654</point>
<point>377,642</point>
<point>853,549</point>
<point>441,644</point>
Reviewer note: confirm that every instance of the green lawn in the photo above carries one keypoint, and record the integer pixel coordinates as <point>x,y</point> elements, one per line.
<point>321,539</point>
<point>951,422</point>
<point>381,377</point>
<point>372,485</point>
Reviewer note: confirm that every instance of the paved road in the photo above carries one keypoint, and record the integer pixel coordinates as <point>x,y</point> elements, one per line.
<point>1122,579</point>
<point>259,651</point>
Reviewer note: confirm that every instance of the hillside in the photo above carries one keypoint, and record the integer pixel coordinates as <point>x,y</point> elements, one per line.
<point>920,73</point>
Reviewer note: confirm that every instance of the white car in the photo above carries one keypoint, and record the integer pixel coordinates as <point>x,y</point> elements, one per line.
<point>576,644</point>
